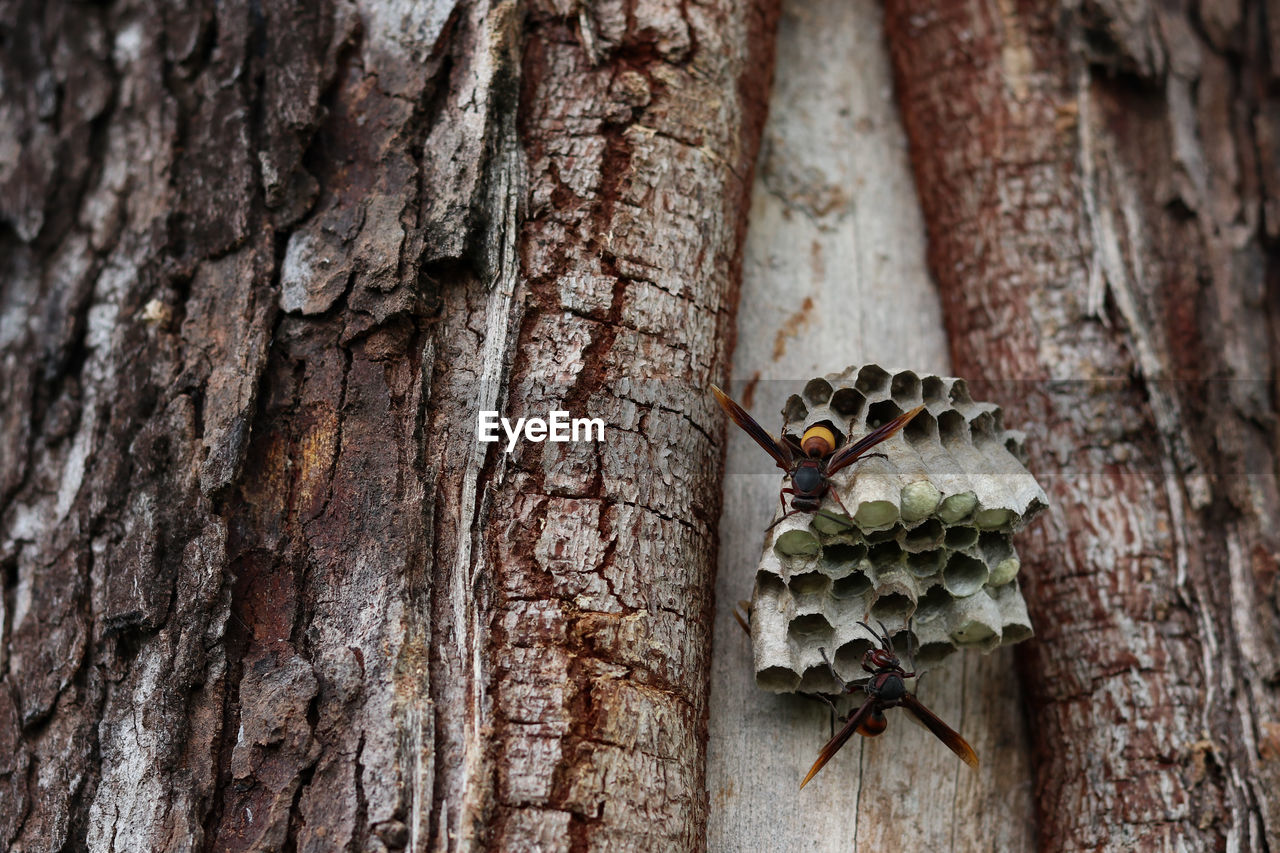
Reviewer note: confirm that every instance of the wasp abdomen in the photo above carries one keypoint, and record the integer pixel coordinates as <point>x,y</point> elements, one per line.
<point>873,725</point>
<point>818,441</point>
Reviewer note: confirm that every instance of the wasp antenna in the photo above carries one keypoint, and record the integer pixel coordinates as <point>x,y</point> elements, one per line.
<point>785,516</point>
<point>884,632</point>
<point>882,639</point>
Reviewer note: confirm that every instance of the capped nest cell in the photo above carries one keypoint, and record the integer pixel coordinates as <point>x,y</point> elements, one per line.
<point>928,544</point>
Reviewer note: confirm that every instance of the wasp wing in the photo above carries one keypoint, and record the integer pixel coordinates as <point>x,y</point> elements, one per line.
<point>841,737</point>
<point>945,733</point>
<point>848,454</point>
<point>780,452</point>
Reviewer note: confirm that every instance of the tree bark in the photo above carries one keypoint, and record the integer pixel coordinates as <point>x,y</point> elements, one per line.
<point>261,266</point>
<point>1099,185</point>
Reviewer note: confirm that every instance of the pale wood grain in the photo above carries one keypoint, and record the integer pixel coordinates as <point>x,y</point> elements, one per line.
<point>835,220</point>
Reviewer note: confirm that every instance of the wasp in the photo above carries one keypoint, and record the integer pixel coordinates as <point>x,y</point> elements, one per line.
<point>886,688</point>
<point>811,459</point>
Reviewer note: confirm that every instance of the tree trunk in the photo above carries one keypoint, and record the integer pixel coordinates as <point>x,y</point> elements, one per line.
<point>1100,189</point>
<point>261,267</point>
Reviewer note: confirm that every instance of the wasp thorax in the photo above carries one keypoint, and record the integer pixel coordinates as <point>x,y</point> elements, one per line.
<point>807,479</point>
<point>818,441</point>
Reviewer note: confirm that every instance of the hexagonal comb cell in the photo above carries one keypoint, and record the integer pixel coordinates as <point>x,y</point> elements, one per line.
<point>905,388</point>
<point>817,391</point>
<point>926,541</point>
<point>848,403</point>
<point>871,380</point>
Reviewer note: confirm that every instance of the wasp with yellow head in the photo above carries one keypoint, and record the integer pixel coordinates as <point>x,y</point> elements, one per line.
<point>810,460</point>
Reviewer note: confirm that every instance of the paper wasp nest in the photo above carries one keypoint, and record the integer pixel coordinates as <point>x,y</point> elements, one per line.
<point>929,539</point>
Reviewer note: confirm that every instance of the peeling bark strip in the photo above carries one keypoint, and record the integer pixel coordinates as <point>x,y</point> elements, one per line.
<point>261,265</point>
<point>1098,193</point>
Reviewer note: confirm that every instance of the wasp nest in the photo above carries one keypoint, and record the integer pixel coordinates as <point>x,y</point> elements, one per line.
<point>929,540</point>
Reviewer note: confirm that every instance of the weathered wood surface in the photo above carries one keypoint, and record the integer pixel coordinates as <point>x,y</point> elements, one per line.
<point>260,267</point>
<point>1100,188</point>
<point>835,275</point>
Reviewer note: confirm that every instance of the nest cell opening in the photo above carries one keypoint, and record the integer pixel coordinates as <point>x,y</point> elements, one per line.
<point>811,629</point>
<point>905,388</point>
<point>817,679</point>
<point>923,430</point>
<point>767,583</point>
<point>983,426</point>
<point>882,412</point>
<point>892,607</point>
<point>848,403</point>
<point>958,538</point>
<point>817,391</point>
<point>809,583</point>
<point>927,534</point>
<point>995,547</point>
<point>973,631</point>
<point>777,679</point>
<point>930,655</point>
<point>932,604</point>
<point>851,585</point>
<point>925,564</point>
<point>1015,633</point>
<point>795,411</point>
<point>843,553</point>
<point>871,379</point>
<point>848,659</point>
<point>933,389</point>
<point>875,537</point>
<point>964,575</point>
<point>885,554</point>
<point>952,426</point>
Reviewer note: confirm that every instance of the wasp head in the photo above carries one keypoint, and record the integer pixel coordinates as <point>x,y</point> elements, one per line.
<point>879,659</point>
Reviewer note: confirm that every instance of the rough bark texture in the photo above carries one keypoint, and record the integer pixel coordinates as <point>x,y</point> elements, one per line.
<point>260,267</point>
<point>1099,184</point>
<point>641,126</point>
<point>835,274</point>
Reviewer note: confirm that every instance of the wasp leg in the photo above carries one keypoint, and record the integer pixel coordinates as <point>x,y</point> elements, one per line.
<point>785,516</point>
<point>838,519</point>
<point>835,712</point>
<point>839,503</point>
<point>844,685</point>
